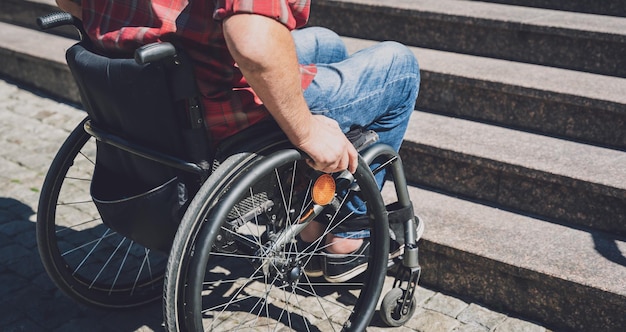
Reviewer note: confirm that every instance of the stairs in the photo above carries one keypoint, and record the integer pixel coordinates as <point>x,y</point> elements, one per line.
<point>516,153</point>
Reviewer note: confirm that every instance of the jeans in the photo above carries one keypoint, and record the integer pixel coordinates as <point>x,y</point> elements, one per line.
<point>374,88</point>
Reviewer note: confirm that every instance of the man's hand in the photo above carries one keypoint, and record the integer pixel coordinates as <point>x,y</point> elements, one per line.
<point>329,149</point>
<point>265,52</point>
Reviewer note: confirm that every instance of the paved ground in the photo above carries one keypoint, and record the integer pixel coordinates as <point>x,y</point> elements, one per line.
<point>32,127</point>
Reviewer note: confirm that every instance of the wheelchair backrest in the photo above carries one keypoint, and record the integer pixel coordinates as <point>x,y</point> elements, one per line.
<point>135,102</point>
<point>147,105</point>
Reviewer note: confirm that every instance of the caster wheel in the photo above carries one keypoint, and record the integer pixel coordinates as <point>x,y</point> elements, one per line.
<point>390,308</point>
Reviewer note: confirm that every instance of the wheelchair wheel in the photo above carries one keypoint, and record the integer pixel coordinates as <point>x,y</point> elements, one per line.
<point>391,308</point>
<point>85,259</point>
<point>238,264</point>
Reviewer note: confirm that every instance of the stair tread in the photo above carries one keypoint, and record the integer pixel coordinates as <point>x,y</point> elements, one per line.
<point>519,244</point>
<point>494,13</point>
<point>540,81</point>
<point>595,165</point>
<point>34,43</point>
<point>606,7</point>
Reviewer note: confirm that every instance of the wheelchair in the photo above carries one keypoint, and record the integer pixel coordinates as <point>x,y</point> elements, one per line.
<point>127,217</point>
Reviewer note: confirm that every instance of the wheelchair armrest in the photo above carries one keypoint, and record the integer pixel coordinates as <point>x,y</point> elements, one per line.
<point>154,52</point>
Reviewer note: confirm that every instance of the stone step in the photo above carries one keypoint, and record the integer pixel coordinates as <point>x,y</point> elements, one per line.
<point>37,59</point>
<point>592,43</point>
<point>570,279</point>
<point>603,7</point>
<point>575,105</point>
<point>563,181</point>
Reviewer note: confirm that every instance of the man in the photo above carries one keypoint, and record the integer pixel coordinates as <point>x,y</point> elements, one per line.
<point>251,64</point>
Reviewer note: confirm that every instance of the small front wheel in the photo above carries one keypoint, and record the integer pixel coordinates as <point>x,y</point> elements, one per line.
<point>391,308</point>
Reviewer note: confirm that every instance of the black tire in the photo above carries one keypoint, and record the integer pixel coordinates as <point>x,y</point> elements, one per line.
<point>85,259</point>
<point>219,264</point>
<point>390,308</point>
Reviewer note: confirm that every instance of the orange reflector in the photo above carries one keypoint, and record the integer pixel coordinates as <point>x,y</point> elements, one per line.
<point>324,189</point>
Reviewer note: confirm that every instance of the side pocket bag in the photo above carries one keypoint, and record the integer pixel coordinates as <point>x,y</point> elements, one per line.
<point>148,217</point>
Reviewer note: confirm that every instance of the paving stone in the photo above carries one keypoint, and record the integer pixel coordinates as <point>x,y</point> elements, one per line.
<point>446,305</point>
<point>377,328</point>
<point>151,319</point>
<point>81,324</point>
<point>10,314</point>
<point>52,313</point>
<point>471,328</point>
<point>517,325</point>
<point>476,314</point>
<point>42,280</point>
<point>426,320</point>
<point>28,239</point>
<point>13,253</point>
<point>423,294</point>
<point>16,227</point>
<point>29,266</point>
<point>24,326</point>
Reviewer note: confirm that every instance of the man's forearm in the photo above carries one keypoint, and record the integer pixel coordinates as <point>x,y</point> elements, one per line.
<point>265,53</point>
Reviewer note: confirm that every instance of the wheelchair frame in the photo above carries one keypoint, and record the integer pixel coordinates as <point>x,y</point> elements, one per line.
<point>221,191</point>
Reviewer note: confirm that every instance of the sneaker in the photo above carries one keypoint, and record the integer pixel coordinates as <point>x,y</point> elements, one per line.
<point>312,260</point>
<point>343,267</point>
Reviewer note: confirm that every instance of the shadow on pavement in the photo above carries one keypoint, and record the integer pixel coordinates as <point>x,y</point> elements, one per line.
<point>29,301</point>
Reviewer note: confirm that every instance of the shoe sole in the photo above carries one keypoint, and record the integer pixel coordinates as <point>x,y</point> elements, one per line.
<point>360,269</point>
<point>348,275</point>
<point>314,274</point>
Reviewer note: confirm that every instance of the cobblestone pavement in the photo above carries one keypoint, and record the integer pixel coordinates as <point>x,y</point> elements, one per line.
<point>32,127</point>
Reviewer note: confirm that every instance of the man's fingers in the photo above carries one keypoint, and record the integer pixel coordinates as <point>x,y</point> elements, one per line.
<point>353,161</point>
<point>331,151</point>
<point>340,163</point>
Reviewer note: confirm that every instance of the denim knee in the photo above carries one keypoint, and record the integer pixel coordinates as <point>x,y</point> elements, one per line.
<point>407,68</point>
<point>401,57</point>
<point>319,45</point>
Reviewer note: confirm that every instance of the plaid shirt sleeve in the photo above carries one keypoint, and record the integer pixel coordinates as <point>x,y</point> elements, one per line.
<point>292,13</point>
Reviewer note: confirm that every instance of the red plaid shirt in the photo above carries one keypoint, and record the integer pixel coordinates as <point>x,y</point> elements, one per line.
<point>230,104</point>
